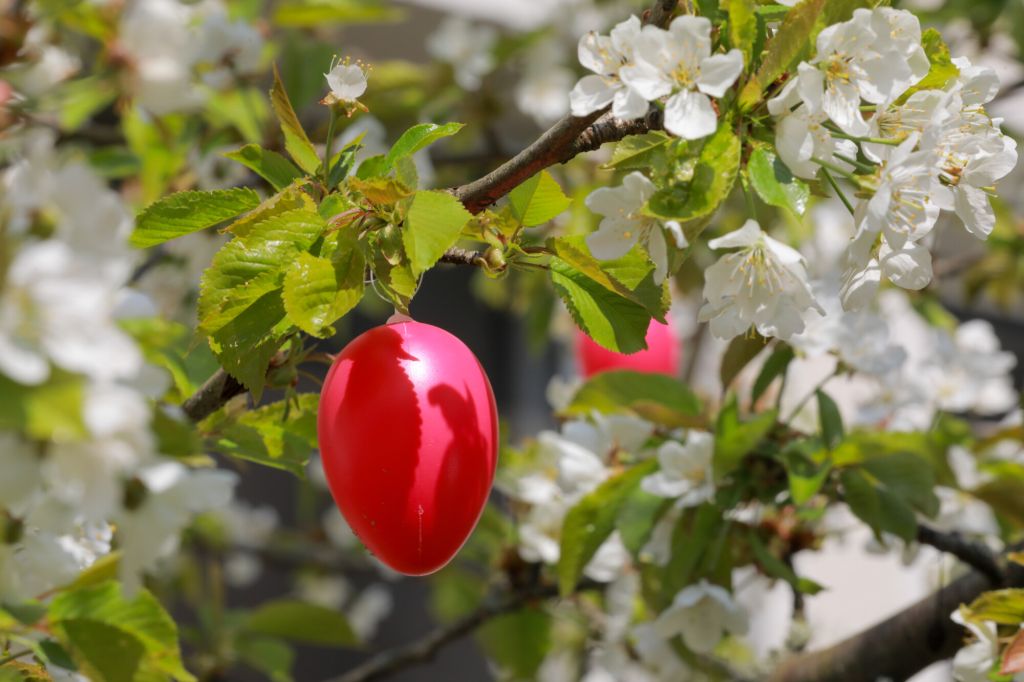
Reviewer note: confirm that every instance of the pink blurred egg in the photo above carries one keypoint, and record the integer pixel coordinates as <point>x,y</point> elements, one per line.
<point>408,434</point>
<point>662,356</point>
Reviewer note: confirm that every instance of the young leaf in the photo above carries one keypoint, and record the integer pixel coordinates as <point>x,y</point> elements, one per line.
<point>1005,607</point>
<point>877,507</point>
<point>775,567</point>
<point>640,151</point>
<point>643,393</point>
<point>743,27</point>
<point>280,435</point>
<point>187,212</point>
<point>245,345</point>
<point>318,291</point>
<point>774,366</point>
<point>631,276</point>
<point>774,183</point>
<point>112,638</point>
<point>592,520</point>
<point>295,139</point>
<point>830,419</point>
<point>734,439</point>
<point>738,354</point>
<point>519,641</point>
<point>789,44</point>
<point>302,622</point>
<point>418,137</point>
<point>289,199</point>
<point>432,225</point>
<point>614,322</point>
<point>269,165</point>
<point>538,200</point>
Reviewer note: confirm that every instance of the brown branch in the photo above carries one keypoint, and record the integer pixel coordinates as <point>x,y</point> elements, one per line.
<point>564,140</point>
<point>974,554</point>
<point>899,646</point>
<point>425,648</point>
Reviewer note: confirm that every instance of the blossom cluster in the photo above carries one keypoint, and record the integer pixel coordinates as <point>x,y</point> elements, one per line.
<point>88,475</point>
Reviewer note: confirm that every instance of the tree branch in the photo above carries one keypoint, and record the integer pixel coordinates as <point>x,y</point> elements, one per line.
<point>212,395</point>
<point>425,648</point>
<point>974,554</point>
<point>899,646</point>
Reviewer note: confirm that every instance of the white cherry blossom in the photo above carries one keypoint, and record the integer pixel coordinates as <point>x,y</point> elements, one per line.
<point>623,224</point>
<point>347,82</point>
<point>606,56</point>
<point>974,661</point>
<point>685,471</point>
<point>763,283</point>
<point>701,613</point>
<point>678,63</point>
<point>467,47</point>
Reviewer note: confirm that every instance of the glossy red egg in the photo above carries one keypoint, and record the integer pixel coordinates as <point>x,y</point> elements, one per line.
<point>408,434</point>
<point>662,356</point>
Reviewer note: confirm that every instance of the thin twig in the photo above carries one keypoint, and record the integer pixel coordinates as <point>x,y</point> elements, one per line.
<point>425,648</point>
<point>974,554</point>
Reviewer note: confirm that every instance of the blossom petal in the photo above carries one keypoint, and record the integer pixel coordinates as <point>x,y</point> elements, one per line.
<point>690,115</point>
<point>719,72</point>
<point>592,93</point>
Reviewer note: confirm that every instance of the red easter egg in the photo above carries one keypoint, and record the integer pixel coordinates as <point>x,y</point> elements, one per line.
<point>661,357</point>
<point>408,434</point>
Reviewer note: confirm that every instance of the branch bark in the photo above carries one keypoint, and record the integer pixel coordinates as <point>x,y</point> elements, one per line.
<point>974,554</point>
<point>899,646</point>
<point>425,648</point>
<point>560,143</point>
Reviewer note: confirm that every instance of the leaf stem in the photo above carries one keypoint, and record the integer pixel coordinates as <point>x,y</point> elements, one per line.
<point>838,190</point>
<point>328,144</point>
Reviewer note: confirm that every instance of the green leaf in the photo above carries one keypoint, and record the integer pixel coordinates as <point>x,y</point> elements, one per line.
<point>830,420</point>
<point>290,198</point>
<point>773,367</point>
<point>790,44</point>
<point>269,655</point>
<point>243,107</point>
<point>538,200</point>
<point>316,13</point>
<point>877,506</point>
<point>636,519</point>
<point>743,27</point>
<point>269,165</point>
<point>100,571</point>
<point>1005,607</point>
<point>251,266</point>
<point>518,641</point>
<point>775,567</point>
<point>697,540</point>
<point>713,180</point>
<point>738,354</point>
<point>187,212</point>
<point>432,225</point>
<point>614,322</point>
<point>942,70</point>
<point>640,151</point>
<point>318,291</point>
<point>117,639</point>
<point>734,439</point>
<point>50,411</point>
<point>245,345</point>
<point>774,183</point>
<point>281,435</point>
<point>27,612</point>
<point>805,475</point>
<point>631,276</point>
<point>296,142</point>
<point>302,622</point>
<point>416,138</point>
<point>589,523</point>
<point>652,396</point>
<point>908,477</point>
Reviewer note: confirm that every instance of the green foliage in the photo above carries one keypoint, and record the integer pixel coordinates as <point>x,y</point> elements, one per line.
<point>699,539</point>
<point>419,137</point>
<point>432,225</point>
<point>738,354</point>
<point>713,178</point>
<point>592,520</point>
<point>775,567</point>
<point>735,439</point>
<point>269,165</point>
<point>774,183</point>
<point>280,435</point>
<point>638,152</point>
<point>1005,607</point>
<point>518,641</point>
<point>49,411</point>
<point>296,142</point>
<point>316,13</point>
<point>743,27</point>
<point>775,366</point>
<point>269,655</point>
<point>831,421</point>
<point>790,44</point>
<point>656,397</point>
<point>301,622</point>
<point>636,519</point>
<point>884,492</point>
<point>116,639</point>
<point>942,70</point>
<point>538,200</point>
<point>187,212</point>
<point>318,291</point>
